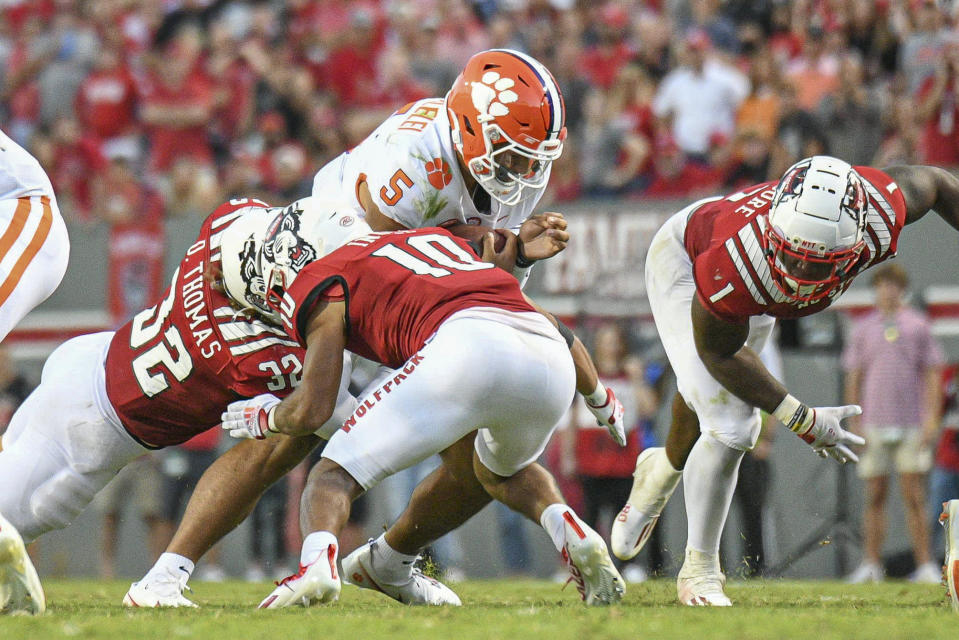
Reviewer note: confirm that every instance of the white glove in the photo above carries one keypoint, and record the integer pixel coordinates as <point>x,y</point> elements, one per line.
<point>251,418</point>
<point>826,435</point>
<point>603,404</point>
<point>821,427</point>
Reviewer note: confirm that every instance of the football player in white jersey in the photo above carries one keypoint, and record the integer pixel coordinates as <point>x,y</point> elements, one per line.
<point>34,249</point>
<point>481,155</point>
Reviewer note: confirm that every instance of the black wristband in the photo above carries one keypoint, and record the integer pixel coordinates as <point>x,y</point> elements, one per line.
<point>566,332</point>
<point>521,260</point>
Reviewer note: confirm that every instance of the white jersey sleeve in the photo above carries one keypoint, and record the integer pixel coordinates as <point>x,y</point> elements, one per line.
<point>411,170</point>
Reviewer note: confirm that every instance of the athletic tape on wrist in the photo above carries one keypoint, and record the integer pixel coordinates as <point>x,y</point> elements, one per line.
<point>599,397</point>
<point>794,414</point>
<point>271,421</point>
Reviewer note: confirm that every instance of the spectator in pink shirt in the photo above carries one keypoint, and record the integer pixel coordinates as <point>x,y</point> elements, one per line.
<point>892,365</point>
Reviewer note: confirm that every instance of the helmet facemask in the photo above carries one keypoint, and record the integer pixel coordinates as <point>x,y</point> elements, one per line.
<point>501,171</point>
<point>813,236</point>
<point>807,274</point>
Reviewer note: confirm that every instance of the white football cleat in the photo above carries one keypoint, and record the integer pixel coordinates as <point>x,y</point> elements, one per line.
<point>700,582</point>
<point>317,582</point>
<point>160,589</point>
<point>20,588</point>
<point>950,571</point>
<point>654,481</point>
<point>589,564</point>
<point>417,589</point>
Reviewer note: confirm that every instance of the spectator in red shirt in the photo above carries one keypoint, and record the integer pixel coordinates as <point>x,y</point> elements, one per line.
<point>602,61</point>
<point>350,69</point>
<point>605,469</point>
<point>944,478</point>
<point>233,85</point>
<point>21,92</point>
<point>939,111</point>
<point>135,213</point>
<point>106,102</point>
<point>674,176</point>
<point>177,106</point>
<point>76,161</point>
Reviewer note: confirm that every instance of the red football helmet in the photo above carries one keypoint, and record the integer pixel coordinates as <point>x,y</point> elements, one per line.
<point>508,122</point>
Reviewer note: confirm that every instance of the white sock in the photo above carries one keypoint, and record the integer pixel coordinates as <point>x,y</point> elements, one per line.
<point>664,478</point>
<point>391,565</point>
<point>708,482</point>
<point>173,564</point>
<point>316,544</point>
<point>553,520</point>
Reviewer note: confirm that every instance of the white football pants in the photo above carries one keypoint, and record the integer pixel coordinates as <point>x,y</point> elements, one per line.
<point>64,443</point>
<point>508,374</point>
<point>34,247</point>
<point>670,287</point>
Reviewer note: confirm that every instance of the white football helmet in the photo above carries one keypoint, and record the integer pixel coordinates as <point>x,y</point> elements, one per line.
<point>814,234</point>
<point>262,254</point>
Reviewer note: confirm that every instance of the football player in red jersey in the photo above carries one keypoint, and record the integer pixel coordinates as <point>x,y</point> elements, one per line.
<point>106,398</point>
<point>465,343</point>
<point>719,272</point>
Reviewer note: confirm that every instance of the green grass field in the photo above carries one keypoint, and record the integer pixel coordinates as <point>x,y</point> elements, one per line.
<point>504,610</point>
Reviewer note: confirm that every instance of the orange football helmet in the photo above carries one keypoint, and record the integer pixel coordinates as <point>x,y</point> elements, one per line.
<point>508,122</point>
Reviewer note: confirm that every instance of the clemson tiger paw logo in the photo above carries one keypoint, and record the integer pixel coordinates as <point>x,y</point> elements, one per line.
<point>491,96</point>
<point>438,173</point>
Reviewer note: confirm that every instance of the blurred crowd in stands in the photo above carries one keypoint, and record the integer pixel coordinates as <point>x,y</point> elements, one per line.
<point>179,104</point>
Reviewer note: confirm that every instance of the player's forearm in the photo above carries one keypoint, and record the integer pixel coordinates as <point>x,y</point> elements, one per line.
<point>302,413</point>
<point>231,487</point>
<point>946,202</point>
<point>587,378</point>
<point>744,375</point>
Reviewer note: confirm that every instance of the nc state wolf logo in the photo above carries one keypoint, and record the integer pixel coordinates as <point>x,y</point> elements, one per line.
<point>438,172</point>
<point>255,290</point>
<point>284,245</point>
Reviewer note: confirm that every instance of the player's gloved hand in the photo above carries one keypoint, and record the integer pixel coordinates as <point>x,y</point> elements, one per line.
<point>251,418</point>
<point>608,410</point>
<point>821,427</point>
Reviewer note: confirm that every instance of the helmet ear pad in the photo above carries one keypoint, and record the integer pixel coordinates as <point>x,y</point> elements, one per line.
<point>816,222</point>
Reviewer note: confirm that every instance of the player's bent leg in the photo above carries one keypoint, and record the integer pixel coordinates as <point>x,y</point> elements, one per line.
<point>364,568</point>
<point>709,481</point>
<point>448,497</point>
<point>20,588</point>
<point>325,508</point>
<point>224,496</point>
<point>950,571</point>
<point>60,447</point>
<point>655,479</point>
<point>532,491</point>
<point>443,501</point>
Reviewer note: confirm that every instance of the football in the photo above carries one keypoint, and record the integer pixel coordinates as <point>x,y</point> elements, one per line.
<point>474,234</point>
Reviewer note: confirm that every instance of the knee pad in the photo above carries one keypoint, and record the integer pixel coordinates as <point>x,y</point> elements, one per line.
<point>734,429</point>
<point>56,502</point>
